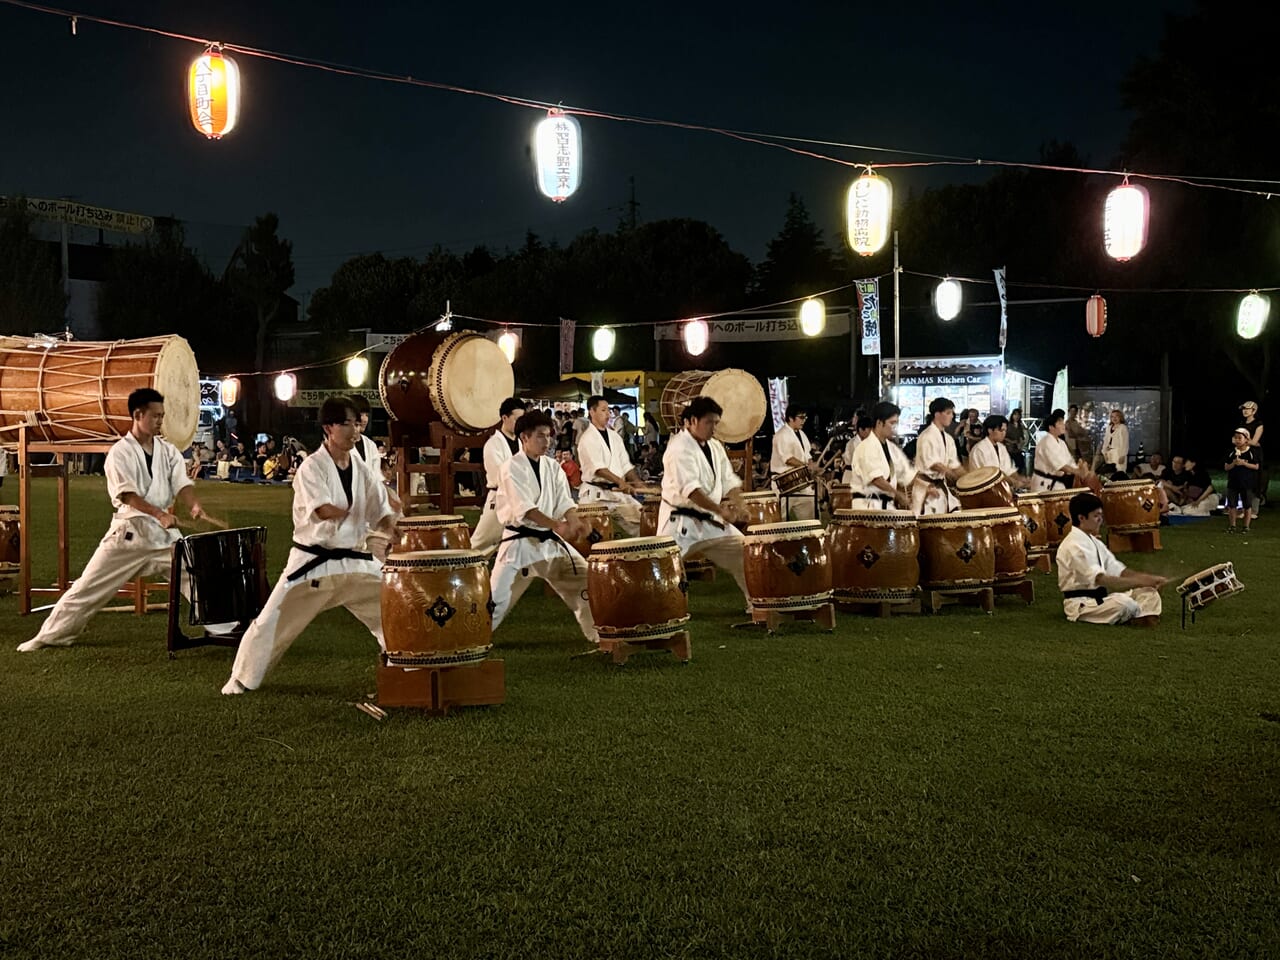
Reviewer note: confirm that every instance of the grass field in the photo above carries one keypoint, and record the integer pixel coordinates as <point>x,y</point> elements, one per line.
<point>953,786</point>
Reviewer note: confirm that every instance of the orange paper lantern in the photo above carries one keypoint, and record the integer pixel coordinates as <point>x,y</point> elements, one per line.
<point>1095,315</point>
<point>213,94</point>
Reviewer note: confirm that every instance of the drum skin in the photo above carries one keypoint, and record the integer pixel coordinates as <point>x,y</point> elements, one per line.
<point>787,566</point>
<point>738,392</point>
<point>1009,534</point>
<point>637,589</point>
<point>982,488</point>
<point>437,532</point>
<point>1031,506</point>
<point>841,495</point>
<point>459,379</point>
<point>761,507</point>
<point>1057,514</point>
<point>874,554</point>
<point>436,608</point>
<point>599,527</point>
<point>650,502</point>
<point>228,574</point>
<point>957,550</point>
<point>1131,505</point>
<point>10,534</point>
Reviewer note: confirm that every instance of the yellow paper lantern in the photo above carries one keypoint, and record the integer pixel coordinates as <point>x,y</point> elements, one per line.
<point>286,386</point>
<point>947,298</point>
<point>230,391</point>
<point>696,337</point>
<point>508,343</point>
<point>1124,221</point>
<point>357,371</point>
<point>868,209</point>
<point>813,317</point>
<point>557,144</point>
<point>1251,318</point>
<point>213,93</point>
<point>602,342</point>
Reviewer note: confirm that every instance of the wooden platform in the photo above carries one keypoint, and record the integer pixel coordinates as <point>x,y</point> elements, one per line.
<point>823,615</point>
<point>1141,541</point>
<point>437,690</point>
<point>1040,563</point>
<point>678,643</point>
<point>878,607</point>
<point>1023,588</point>
<point>935,600</point>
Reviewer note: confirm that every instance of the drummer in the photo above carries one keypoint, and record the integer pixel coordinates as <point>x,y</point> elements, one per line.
<point>147,481</point>
<point>498,449</point>
<point>1088,573</point>
<point>937,462</point>
<point>863,425</point>
<point>607,472</point>
<point>991,451</point>
<point>701,493</point>
<point>791,451</point>
<point>881,473</point>
<point>537,512</point>
<point>1054,465</point>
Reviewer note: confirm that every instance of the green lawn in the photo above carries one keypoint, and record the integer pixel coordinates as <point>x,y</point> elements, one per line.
<point>953,786</point>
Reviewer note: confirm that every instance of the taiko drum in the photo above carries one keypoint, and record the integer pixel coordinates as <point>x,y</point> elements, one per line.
<point>436,608</point>
<point>874,554</point>
<point>1031,506</point>
<point>761,506</point>
<point>1057,514</point>
<point>787,566</point>
<point>841,496</point>
<point>957,550</point>
<point>1009,536</point>
<point>650,502</point>
<point>738,392</point>
<point>637,588</point>
<point>1131,506</point>
<point>443,531</point>
<point>599,527</point>
<point>984,487</point>
<point>459,379</point>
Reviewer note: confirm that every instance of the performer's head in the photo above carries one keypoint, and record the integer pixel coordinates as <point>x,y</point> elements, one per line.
<point>361,406</point>
<point>941,412</point>
<point>598,411</point>
<point>885,415</point>
<point>1086,512</point>
<point>1055,424</point>
<point>339,421</point>
<point>146,407</point>
<point>866,423</point>
<point>995,427</point>
<point>534,430</point>
<point>512,409</point>
<point>701,417</point>
<point>796,416</point>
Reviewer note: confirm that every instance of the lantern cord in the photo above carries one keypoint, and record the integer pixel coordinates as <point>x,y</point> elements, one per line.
<point>776,141</point>
<point>1065,286</point>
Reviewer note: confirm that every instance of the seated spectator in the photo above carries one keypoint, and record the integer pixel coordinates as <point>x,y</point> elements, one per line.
<point>1196,496</point>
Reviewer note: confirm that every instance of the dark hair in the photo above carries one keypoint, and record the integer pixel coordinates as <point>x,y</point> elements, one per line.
<point>1083,504</point>
<point>939,405</point>
<point>794,410</point>
<point>142,398</point>
<point>1073,406</point>
<point>510,406</point>
<point>994,421</point>
<point>1056,417</point>
<point>883,410</point>
<point>359,404</point>
<point>335,410</point>
<point>700,407</point>
<point>594,399</point>
<point>1015,411</point>
<point>531,421</point>
<point>865,422</point>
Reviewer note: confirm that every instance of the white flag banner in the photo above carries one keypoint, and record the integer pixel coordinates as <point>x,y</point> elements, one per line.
<point>1060,385</point>
<point>778,401</point>
<point>1004,306</point>
<point>597,383</point>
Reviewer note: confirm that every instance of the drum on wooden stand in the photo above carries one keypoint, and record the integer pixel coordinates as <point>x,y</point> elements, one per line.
<point>227,573</point>
<point>1131,506</point>
<point>957,550</point>
<point>874,554</point>
<point>793,481</point>
<point>1057,514</point>
<point>984,487</point>
<point>787,567</point>
<point>10,536</point>
<point>69,391</point>
<point>738,392</point>
<point>1031,506</point>
<point>637,589</point>
<point>433,532</point>
<point>599,527</point>
<point>1201,589</point>
<point>650,503</point>
<point>436,608</point>
<point>459,379</point>
<point>841,497</point>
<point>761,506</point>
<point>1009,536</point>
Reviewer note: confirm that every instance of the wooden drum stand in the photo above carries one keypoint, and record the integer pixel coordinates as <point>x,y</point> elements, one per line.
<point>450,443</point>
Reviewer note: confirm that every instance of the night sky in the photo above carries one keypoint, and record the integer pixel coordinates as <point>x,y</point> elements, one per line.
<point>355,165</point>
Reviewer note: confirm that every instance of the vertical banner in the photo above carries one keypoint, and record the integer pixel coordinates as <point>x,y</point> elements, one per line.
<point>597,382</point>
<point>1004,306</point>
<point>869,312</point>
<point>1060,391</point>
<point>566,346</point>
<point>778,401</point>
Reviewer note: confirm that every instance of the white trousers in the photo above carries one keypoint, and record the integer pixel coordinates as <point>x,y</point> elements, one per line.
<point>623,508</point>
<point>292,606</point>
<point>565,575</point>
<point>1116,608</point>
<point>488,531</point>
<point>698,539</point>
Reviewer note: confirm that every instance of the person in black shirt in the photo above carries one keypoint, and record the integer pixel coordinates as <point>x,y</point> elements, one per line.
<point>1242,479</point>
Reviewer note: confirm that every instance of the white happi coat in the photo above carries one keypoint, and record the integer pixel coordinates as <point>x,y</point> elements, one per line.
<point>593,455</point>
<point>850,449</point>
<point>371,459</point>
<point>934,446</point>
<point>497,451</point>
<point>1081,559</point>
<point>518,493</point>
<point>126,470</point>
<point>869,464</point>
<point>788,446</point>
<point>1052,457</point>
<point>988,454</point>
<point>317,483</point>
<point>685,468</point>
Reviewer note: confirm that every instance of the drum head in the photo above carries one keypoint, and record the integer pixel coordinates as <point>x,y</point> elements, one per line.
<point>433,520</point>
<point>978,479</point>
<point>743,401</point>
<point>472,382</point>
<point>177,378</point>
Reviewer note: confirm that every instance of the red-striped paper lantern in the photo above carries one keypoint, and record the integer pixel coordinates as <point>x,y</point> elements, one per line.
<point>1095,315</point>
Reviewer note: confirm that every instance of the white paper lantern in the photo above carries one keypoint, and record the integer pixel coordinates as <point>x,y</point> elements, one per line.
<point>696,337</point>
<point>557,147</point>
<point>1124,221</point>
<point>286,385</point>
<point>1252,315</point>
<point>813,317</point>
<point>602,342</point>
<point>357,371</point>
<point>230,391</point>
<point>868,209</point>
<point>947,298</point>
<point>508,343</point>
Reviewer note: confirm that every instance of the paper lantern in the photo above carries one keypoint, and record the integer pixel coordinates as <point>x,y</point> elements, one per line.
<point>1124,221</point>
<point>213,94</point>
<point>557,143</point>
<point>357,371</point>
<point>602,342</point>
<point>696,337</point>
<point>947,297</point>
<point>813,317</point>
<point>1095,315</point>
<point>1252,315</point>
<point>868,208</point>
<point>286,386</point>
<point>508,343</point>
<point>230,391</point>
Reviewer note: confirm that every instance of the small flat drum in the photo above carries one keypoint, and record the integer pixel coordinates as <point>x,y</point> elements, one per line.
<point>1201,589</point>
<point>787,566</point>
<point>984,487</point>
<point>433,532</point>
<point>637,588</point>
<point>793,480</point>
<point>738,392</point>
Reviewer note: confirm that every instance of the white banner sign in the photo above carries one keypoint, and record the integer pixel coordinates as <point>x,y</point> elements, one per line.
<point>313,398</point>
<point>869,310</point>
<point>778,401</point>
<point>83,215</point>
<point>384,342</point>
<point>1004,307</point>
<point>755,329</point>
<point>1060,390</point>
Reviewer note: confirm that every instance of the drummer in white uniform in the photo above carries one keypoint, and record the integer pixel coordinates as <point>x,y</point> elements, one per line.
<point>881,473</point>
<point>701,493</point>
<point>147,481</point>
<point>937,462</point>
<point>498,449</point>
<point>336,506</point>
<point>991,451</point>
<point>538,515</point>
<point>791,451</point>
<point>863,426</point>
<point>1088,572</point>
<point>1055,468</point>
<point>607,471</point>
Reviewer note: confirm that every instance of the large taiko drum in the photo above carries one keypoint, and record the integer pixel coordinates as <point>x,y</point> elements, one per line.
<point>1031,506</point>
<point>984,487</point>
<point>739,394</point>
<point>436,608</point>
<point>957,550</point>
<point>1131,506</point>
<point>1009,535</point>
<point>227,574</point>
<point>443,531</point>
<point>1057,513</point>
<point>787,566</point>
<point>71,391</point>
<point>874,554</point>
<point>10,535</point>
<point>650,503</point>
<point>599,527</point>
<point>637,588</point>
<point>841,495</point>
<point>459,379</point>
<point>761,506</point>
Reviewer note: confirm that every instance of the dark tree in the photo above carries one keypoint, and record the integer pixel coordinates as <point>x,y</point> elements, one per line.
<point>31,295</point>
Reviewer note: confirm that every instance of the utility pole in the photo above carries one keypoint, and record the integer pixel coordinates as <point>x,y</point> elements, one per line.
<point>632,205</point>
<point>897,330</point>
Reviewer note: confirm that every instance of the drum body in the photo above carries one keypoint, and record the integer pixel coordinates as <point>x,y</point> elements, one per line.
<point>1057,514</point>
<point>1009,536</point>
<point>957,550</point>
<point>599,527</point>
<point>436,532</point>
<point>1130,506</point>
<point>739,393</point>
<point>459,379</point>
<point>793,480</point>
<point>874,554</point>
<point>1203,588</point>
<point>637,588</point>
<point>1031,506</point>
<point>761,506</point>
<point>228,574</point>
<point>10,535</point>
<point>436,608</point>
<point>69,391</point>
<point>982,488</point>
<point>841,495</point>
<point>787,566</point>
<point>650,502</point>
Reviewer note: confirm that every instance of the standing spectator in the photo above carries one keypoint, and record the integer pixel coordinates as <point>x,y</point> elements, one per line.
<point>1242,479</point>
<point>1077,435</point>
<point>1252,422</point>
<point>628,431</point>
<point>1114,455</point>
<point>1016,438</point>
<point>4,464</point>
<point>650,428</point>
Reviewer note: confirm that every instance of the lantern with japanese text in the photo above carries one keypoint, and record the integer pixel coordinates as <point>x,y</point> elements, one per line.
<point>286,385</point>
<point>602,342</point>
<point>868,208</point>
<point>357,371</point>
<point>213,93</point>
<point>230,391</point>
<point>557,143</point>
<point>1251,318</point>
<point>813,317</point>
<point>696,335</point>
<point>1095,315</point>
<point>1124,221</point>
<point>508,343</point>
<point>947,298</point>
